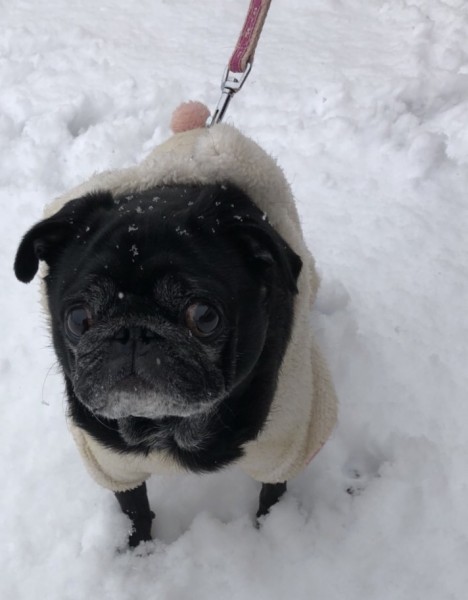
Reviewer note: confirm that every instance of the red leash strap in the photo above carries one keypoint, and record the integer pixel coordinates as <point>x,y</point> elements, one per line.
<point>240,63</point>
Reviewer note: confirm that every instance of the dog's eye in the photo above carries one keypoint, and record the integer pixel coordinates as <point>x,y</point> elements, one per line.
<point>202,319</point>
<point>77,321</point>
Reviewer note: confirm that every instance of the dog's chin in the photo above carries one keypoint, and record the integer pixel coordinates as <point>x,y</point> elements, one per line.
<point>135,397</point>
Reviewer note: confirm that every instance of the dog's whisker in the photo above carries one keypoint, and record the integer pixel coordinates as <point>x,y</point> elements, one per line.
<point>106,425</point>
<point>55,364</point>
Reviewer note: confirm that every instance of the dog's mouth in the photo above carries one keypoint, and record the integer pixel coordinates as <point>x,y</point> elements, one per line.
<point>133,384</point>
<point>135,396</point>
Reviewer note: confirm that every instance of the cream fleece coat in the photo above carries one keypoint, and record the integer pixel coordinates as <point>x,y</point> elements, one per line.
<point>304,408</point>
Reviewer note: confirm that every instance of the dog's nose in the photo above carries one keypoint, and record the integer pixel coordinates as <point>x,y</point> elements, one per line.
<point>130,334</point>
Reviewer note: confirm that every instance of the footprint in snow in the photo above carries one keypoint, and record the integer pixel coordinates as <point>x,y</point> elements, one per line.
<point>360,471</point>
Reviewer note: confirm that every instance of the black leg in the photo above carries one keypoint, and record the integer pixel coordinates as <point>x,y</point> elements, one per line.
<point>134,503</point>
<point>269,495</point>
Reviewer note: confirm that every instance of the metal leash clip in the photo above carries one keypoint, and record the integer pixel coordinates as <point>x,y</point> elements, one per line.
<point>230,84</point>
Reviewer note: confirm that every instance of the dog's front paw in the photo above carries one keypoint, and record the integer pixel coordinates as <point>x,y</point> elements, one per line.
<point>141,531</point>
<point>269,495</point>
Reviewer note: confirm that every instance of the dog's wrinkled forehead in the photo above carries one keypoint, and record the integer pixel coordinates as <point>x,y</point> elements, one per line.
<point>133,238</point>
<point>153,237</point>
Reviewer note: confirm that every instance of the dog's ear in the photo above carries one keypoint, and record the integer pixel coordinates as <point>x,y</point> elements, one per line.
<point>263,245</point>
<point>47,238</point>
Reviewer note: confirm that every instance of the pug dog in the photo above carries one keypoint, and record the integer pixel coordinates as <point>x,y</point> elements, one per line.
<point>171,309</point>
<point>179,293</point>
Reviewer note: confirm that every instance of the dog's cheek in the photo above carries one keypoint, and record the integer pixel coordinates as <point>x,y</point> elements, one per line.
<point>195,373</point>
<point>90,378</point>
<point>250,339</point>
<point>64,354</point>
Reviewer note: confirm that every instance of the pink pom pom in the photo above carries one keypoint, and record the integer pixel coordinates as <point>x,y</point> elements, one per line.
<point>189,115</point>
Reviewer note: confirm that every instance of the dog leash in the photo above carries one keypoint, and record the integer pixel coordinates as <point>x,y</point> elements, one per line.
<point>240,63</point>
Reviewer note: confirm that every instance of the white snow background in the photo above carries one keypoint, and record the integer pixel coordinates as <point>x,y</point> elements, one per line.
<point>365,106</point>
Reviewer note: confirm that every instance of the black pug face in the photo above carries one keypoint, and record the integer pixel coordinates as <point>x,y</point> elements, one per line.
<point>160,301</point>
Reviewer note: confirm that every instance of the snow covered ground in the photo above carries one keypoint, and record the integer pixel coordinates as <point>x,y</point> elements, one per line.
<point>365,105</point>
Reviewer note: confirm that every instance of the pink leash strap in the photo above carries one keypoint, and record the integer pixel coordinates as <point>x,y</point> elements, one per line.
<point>246,44</point>
<point>240,63</point>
